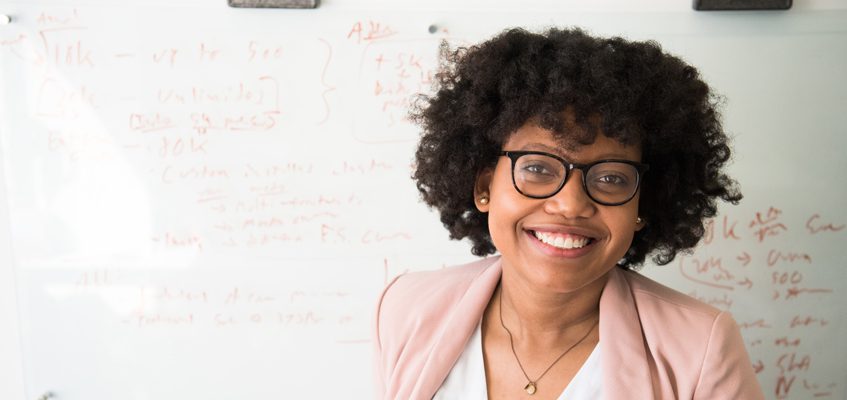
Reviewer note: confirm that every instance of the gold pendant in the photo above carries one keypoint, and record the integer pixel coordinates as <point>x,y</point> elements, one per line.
<point>530,388</point>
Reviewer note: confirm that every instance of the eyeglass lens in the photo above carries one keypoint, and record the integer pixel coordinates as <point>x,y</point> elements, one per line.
<point>609,182</point>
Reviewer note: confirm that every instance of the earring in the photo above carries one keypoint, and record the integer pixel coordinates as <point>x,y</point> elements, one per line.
<point>639,220</point>
<point>483,200</point>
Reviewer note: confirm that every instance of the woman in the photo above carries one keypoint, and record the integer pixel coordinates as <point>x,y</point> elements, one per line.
<point>573,157</point>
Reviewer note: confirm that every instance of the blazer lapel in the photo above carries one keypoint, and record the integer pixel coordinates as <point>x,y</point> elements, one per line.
<point>626,368</point>
<point>456,331</point>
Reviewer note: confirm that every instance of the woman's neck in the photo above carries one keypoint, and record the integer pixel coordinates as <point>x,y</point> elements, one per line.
<point>538,318</point>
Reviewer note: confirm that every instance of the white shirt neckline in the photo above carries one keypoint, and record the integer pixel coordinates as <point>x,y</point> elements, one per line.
<point>466,379</point>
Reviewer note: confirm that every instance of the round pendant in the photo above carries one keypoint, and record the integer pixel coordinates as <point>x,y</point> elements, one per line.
<point>530,388</point>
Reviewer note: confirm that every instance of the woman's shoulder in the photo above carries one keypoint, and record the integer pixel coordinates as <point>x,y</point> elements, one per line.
<point>664,315</point>
<point>443,279</point>
<point>676,319</point>
<point>421,312</point>
<point>648,292</point>
<point>680,324</point>
<point>694,345</point>
<point>435,289</point>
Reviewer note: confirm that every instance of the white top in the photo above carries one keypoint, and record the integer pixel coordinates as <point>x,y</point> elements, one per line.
<point>466,380</point>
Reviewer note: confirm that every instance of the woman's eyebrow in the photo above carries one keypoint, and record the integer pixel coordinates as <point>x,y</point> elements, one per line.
<point>570,157</point>
<point>542,147</point>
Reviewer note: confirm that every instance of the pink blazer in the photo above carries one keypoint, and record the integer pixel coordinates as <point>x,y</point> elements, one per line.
<point>656,343</point>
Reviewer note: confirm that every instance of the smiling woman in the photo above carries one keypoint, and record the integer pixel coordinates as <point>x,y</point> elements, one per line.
<point>575,158</point>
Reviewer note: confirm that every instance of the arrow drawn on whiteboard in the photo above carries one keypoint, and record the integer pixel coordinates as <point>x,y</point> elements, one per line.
<point>744,258</point>
<point>758,366</point>
<point>746,282</point>
<point>328,88</point>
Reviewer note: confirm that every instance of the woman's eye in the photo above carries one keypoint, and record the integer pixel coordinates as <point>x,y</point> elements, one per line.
<point>615,180</point>
<point>537,169</point>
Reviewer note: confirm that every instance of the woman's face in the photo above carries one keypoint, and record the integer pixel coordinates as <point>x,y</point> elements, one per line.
<point>565,242</point>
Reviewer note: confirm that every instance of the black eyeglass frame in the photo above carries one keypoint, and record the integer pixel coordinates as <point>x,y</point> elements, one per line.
<point>640,168</point>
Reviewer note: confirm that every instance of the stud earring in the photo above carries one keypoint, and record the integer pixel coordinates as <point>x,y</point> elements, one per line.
<point>639,220</point>
<point>483,200</point>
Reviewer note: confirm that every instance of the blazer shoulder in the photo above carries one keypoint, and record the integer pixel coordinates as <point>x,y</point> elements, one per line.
<point>649,292</point>
<point>412,316</point>
<point>440,280</point>
<point>429,290</point>
<point>694,345</point>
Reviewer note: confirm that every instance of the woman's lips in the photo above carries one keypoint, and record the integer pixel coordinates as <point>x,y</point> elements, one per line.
<point>562,240</point>
<point>560,244</point>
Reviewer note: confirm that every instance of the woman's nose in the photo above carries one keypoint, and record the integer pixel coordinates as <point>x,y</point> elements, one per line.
<point>571,201</point>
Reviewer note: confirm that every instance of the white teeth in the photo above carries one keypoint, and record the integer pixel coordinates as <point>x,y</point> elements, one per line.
<point>561,241</point>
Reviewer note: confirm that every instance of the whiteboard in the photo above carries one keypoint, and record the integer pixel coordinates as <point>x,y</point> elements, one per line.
<point>204,202</point>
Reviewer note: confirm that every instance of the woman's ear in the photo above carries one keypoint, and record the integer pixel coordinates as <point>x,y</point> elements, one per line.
<point>482,189</point>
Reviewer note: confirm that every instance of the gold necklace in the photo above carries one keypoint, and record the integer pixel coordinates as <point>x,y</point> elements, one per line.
<point>532,385</point>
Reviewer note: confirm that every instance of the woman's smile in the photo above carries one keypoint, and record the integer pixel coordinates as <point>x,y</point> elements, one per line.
<point>560,244</point>
<point>560,240</point>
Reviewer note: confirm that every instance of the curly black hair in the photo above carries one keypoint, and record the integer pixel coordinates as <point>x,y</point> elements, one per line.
<point>630,91</point>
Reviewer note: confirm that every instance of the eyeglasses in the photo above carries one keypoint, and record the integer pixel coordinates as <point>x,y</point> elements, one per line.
<point>540,175</point>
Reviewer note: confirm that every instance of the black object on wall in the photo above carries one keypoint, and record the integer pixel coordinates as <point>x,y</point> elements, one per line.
<point>273,3</point>
<point>716,5</point>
